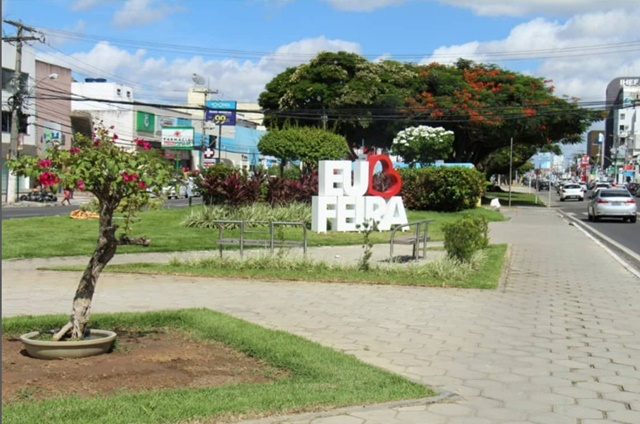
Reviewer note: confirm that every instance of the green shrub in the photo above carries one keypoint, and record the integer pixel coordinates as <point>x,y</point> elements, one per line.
<point>202,217</point>
<point>444,189</point>
<point>466,236</point>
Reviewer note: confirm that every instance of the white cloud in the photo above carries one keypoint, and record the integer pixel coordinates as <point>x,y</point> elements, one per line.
<point>580,55</point>
<point>362,5</point>
<point>162,80</point>
<point>142,12</point>
<point>540,7</point>
<point>85,4</point>
<point>496,7</point>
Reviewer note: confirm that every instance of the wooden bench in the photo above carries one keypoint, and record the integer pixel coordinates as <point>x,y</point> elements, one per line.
<point>258,233</point>
<point>417,238</point>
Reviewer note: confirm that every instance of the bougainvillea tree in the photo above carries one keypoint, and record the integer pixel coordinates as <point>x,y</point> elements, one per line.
<point>423,145</point>
<point>118,177</point>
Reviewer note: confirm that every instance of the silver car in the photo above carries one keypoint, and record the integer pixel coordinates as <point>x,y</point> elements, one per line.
<point>612,203</point>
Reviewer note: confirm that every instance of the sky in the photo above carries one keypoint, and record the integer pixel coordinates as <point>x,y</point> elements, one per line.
<point>237,46</point>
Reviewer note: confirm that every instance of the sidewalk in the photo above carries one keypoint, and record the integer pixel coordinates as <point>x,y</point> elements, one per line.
<point>558,343</point>
<point>78,199</point>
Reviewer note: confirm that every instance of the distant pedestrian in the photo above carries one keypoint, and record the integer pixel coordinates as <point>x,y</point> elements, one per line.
<point>67,196</point>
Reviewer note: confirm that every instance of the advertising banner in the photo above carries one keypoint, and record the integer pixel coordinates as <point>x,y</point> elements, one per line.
<point>221,104</point>
<point>51,135</point>
<point>145,122</point>
<point>177,138</point>
<point>222,117</point>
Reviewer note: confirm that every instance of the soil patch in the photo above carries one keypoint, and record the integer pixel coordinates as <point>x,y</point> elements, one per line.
<point>140,361</point>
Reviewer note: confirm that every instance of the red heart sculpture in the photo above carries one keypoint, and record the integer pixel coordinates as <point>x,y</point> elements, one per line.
<point>387,168</point>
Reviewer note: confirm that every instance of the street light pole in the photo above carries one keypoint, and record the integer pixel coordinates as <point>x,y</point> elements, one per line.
<point>510,167</point>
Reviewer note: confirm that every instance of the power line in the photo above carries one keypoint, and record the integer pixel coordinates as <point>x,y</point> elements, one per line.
<point>571,51</point>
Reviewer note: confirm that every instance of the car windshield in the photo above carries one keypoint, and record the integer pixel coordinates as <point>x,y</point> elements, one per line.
<point>572,186</point>
<point>614,193</point>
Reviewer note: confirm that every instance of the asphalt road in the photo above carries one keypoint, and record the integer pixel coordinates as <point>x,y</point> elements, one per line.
<point>23,211</point>
<point>620,236</point>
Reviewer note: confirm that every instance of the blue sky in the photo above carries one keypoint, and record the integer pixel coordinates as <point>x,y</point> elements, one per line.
<point>155,46</point>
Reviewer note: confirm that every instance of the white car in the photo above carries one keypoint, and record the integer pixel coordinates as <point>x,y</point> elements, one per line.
<point>571,191</point>
<point>612,203</point>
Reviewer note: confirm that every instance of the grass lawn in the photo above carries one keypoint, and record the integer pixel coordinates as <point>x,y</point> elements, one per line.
<point>42,237</point>
<point>318,377</point>
<point>485,276</point>
<point>517,199</point>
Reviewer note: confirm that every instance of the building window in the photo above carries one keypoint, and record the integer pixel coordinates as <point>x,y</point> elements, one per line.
<point>6,121</point>
<point>621,127</point>
<point>129,94</point>
<point>119,92</point>
<point>7,76</point>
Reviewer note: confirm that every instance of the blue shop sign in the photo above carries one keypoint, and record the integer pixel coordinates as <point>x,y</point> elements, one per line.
<point>221,104</point>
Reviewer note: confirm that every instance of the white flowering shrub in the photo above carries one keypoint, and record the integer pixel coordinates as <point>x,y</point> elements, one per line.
<point>423,145</point>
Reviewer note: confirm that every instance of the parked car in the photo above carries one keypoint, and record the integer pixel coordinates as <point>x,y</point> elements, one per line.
<point>612,203</point>
<point>542,185</point>
<point>600,184</point>
<point>571,191</point>
<point>634,188</point>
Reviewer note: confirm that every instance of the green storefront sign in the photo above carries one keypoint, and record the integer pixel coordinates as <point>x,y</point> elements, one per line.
<point>145,122</point>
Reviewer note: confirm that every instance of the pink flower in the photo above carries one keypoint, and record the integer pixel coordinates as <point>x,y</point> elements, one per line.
<point>45,163</point>
<point>80,185</point>
<point>96,142</point>
<point>115,136</point>
<point>129,177</point>
<point>74,150</point>
<point>112,127</point>
<point>48,179</point>
<point>142,185</point>
<point>142,143</point>
<point>185,169</point>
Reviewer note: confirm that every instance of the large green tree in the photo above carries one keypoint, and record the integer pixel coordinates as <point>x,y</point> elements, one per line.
<point>486,106</point>
<point>369,102</point>
<point>498,161</point>
<point>343,92</point>
<point>307,144</point>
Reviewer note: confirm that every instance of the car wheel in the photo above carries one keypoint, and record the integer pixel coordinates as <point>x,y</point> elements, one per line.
<point>562,199</point>
<point>596,218</point>
<point>633,219</point>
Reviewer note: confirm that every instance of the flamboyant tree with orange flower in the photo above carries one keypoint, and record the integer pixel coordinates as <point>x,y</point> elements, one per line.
<point>116,176</point>
<point>485,106</point>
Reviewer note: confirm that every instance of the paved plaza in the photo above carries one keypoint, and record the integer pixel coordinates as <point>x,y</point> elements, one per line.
<point>558,342</point>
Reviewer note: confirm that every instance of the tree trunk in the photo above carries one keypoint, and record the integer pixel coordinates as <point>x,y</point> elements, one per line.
<point>104,252</point>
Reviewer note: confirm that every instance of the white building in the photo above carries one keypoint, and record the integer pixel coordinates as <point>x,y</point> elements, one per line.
<point>113,104</point>
<point>623,127</point>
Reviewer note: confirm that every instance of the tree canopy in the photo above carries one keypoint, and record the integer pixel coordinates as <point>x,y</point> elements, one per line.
<point>343,92</point>
<point>369,102</point>
<point>307,144</point>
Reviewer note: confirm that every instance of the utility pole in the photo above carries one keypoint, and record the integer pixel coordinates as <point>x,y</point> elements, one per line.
<point>16,101</point>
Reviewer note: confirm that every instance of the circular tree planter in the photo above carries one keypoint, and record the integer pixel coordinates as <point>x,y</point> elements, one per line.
<point>98,342</point>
